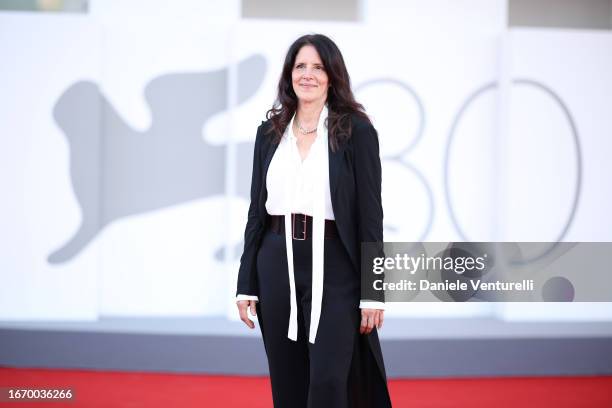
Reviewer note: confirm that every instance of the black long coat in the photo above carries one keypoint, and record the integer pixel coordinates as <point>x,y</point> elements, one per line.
<point>355,185</point>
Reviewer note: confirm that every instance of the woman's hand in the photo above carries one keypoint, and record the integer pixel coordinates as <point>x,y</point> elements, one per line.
<point>243,307</point>
<point>371,318</point>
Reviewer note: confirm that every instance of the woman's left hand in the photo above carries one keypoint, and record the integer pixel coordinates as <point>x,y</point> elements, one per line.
<point>371,318</point>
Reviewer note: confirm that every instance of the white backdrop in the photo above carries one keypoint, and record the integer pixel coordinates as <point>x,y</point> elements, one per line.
<point>462,157</point>
<point>41,56</point>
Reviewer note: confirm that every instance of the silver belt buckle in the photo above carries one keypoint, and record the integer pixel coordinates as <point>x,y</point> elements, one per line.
<point>293,228</point>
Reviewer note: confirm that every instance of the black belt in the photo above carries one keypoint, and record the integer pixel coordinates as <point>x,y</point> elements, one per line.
<point>301,226</point>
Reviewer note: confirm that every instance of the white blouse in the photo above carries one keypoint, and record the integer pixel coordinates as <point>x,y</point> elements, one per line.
<point>304,180</point>
<point>302,187</point>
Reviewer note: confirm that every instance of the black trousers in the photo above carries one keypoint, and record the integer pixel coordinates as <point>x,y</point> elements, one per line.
<point>339,370</point>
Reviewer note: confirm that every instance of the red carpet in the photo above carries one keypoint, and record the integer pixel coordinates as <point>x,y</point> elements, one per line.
<point>119,389</point>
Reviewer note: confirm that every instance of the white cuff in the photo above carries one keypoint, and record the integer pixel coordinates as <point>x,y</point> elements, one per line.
<point>371,304</point>
<point>246,297</point>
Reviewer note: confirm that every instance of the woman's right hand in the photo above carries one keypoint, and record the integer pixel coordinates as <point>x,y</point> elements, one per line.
<point>243,307</point>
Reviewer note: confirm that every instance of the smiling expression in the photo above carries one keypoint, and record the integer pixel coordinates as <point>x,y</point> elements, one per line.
<point>309,79</point>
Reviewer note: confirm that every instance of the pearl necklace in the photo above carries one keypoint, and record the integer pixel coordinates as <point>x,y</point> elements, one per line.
<point>304,131</point>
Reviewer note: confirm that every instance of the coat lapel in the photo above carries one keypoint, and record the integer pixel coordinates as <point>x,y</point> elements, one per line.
<point>267,160</point>
<point>335,160</point>
<point>263,192</point>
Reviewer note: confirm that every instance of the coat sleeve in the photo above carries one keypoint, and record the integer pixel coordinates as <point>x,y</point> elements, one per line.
<point>247,274</point>
<point>368,181</point>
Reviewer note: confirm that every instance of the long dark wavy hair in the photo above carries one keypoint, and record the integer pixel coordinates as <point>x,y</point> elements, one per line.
<point>340,99</point>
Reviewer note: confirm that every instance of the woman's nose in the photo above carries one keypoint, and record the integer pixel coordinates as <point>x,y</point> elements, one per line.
<point>307,73</point>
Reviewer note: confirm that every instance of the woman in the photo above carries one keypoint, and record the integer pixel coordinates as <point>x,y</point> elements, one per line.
<point>315,196</point>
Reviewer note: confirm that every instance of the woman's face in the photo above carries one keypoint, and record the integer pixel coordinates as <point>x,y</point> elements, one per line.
<point>309,79</point>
